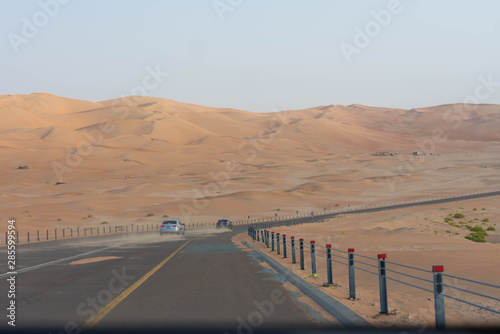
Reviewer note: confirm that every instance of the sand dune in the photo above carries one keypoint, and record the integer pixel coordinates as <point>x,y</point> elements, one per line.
<point>154,155</point>
<point>136,160</point>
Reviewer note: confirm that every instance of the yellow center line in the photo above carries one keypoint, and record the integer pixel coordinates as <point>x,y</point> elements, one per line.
<point>106,309</point>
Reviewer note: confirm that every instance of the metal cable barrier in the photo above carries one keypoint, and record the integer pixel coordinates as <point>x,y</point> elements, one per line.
<point>384,269</point>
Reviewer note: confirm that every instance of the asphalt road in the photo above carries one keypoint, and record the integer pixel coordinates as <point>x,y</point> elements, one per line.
<point>195,281</point>
<point>356,210</point>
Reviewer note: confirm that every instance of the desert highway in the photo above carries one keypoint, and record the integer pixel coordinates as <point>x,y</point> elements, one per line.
<point>199,280</point>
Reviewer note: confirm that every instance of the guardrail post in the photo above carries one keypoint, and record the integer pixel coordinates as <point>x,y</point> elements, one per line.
<point>278,244</point>
<point>301,253</point>
<point>313,257</point>
<point>272,241</point>
<point>382,283</point>
<point>439,296</point>
<point>293,249</point>
<point>284,246</point>
<point>329,265</point>
<point>352,282</point>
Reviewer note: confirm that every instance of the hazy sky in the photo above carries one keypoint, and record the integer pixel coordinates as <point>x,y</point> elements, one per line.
<point>258,55</point>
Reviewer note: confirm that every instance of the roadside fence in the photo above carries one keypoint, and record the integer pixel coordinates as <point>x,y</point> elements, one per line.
<point>431,281</point>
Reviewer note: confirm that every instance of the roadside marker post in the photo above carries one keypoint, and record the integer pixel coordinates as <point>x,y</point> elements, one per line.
<point>329,265</point>
<point>301,254</point>
<point>47,234</point>
<point>284,246</point>
<point>17,234</point>
<point>37,235</point>
<point>382,283</point>
<point>313,257</point>
<point>439,296</point>
<point>272,241</point>
<point>352,282</point>
<point>278,244</point>
<point>28,236</point>
<point>293,249</point>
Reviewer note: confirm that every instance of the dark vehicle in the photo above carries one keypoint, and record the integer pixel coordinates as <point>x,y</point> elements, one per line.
<point>224,223</point>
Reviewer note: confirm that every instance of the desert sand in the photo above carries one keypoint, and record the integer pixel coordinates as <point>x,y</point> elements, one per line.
<point>137,160</point>
<point>134,160</point>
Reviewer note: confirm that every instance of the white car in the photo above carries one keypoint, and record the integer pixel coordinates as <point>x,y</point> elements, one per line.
<point>172,226</point>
